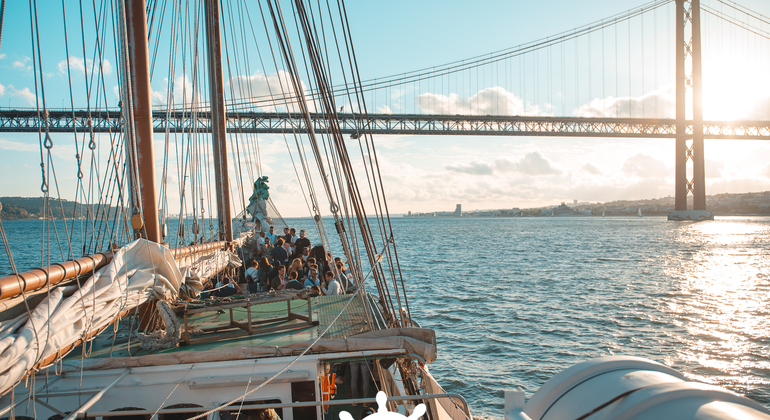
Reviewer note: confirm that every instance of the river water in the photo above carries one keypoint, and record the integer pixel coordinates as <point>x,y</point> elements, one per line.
<point>514,301</point>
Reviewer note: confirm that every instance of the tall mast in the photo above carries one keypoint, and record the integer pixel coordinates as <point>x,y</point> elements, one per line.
<point>218,129</point>
<point>138,78</point>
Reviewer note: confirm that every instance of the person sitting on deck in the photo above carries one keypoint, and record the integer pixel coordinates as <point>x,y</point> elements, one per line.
<point>227,287</point>
<point>294,283</point>
<point>341,277</point>
<point>304,254</point>
<point>279,282</point>
<point>279,254</point>
<point>296,265</point>
<point>332,287</point>
<point>312,279</point>
<point>306,268</point>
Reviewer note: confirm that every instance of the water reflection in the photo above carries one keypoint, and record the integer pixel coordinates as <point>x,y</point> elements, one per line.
<point>722,302</point>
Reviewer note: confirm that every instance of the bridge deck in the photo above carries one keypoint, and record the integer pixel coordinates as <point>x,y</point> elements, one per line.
<point>61,121</point>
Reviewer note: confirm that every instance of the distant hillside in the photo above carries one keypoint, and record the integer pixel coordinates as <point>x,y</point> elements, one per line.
<point>20,208</point>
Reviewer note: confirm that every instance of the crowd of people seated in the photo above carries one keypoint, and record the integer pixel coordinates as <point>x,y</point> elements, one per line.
<point>290,261</point>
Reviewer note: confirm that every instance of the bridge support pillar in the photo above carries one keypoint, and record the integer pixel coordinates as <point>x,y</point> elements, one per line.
<point>689,146</point>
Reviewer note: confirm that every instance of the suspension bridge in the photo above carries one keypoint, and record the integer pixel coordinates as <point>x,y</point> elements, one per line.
<point>475,96</point>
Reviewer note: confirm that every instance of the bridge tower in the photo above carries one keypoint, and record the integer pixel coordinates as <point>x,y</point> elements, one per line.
<point>689,146</point>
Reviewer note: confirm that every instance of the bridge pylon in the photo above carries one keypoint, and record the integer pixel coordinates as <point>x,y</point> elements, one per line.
<point>689,146</point>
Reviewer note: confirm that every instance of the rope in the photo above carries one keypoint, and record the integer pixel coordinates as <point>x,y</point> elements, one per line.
<point>169,337</point>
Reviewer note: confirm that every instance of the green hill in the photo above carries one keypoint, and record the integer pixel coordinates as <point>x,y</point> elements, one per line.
<point>20,208</point>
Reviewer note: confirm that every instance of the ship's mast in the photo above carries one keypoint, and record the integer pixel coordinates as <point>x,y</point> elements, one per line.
<point>218,128</point>
<point>138,93</point>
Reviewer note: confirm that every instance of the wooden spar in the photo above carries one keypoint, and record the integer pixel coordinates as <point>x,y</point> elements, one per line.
<point>139,79</point>
<point>36,278</point>
<point>218,120</point>
<point>11,286</point>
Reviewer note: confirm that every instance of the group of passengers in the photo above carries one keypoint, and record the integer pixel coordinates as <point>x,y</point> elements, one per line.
<point>289,261</point>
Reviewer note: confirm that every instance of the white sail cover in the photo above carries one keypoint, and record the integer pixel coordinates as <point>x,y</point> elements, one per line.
<point>138,271</point>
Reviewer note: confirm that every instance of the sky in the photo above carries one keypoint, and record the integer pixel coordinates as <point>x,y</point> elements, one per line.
<point>625,67</point>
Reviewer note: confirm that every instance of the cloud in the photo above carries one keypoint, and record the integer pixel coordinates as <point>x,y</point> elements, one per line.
<point>22,64</point>
<point>270,93</point>
<point>713,169</point>
<point>24,94</point>
<point>384,109</point>
<point>534,163</point>
<point>656,104</point>
<point>591,169</point>
<point>644,166</point>
<point>489,101</point>
<point>2,56</point>
<point>17,146</point>
<point>77,64</point>
<point>473,168</point>
<point>766,171</point>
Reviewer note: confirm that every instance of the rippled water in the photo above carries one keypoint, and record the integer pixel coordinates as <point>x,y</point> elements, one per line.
<point>516,300</point>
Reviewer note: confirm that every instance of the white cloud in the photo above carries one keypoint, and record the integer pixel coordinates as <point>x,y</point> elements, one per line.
<point>22,64</point>
<point>384,109</point>
<point>713,168</point>
<point>656,104</point>
<point>269,92</point>
<point>24,94</point>
<point>489,101</point>
<point>644,166</point>
<point>77,64</point>
<point>534,163</point>
<point>591,169</point>
<point>18,146</point>
<point>473,168</point>
<point>766,171</point>
<point>2,89</point>
<point>2,56</point>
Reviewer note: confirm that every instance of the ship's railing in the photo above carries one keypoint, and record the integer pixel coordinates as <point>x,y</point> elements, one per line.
<point>427,397</point>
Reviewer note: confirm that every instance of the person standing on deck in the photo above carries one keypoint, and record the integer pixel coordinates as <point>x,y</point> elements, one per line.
<point>271,234</point>
<point>251,277</point>
<point>279,254</point>
<point>292,241</point>
<point>302,243</point>
<point>286,235</point>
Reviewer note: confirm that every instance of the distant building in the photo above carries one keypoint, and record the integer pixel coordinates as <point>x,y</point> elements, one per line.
<point>459,210</point>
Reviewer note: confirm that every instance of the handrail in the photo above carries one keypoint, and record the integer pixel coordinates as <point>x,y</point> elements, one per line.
<point>276,405</point>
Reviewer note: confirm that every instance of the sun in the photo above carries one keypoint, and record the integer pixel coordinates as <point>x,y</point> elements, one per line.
<point>734,89</point>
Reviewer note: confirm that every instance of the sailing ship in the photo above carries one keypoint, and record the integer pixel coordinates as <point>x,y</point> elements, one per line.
<point>125,333</point>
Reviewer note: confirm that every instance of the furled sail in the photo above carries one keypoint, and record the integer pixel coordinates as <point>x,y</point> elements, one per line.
<point>139,271</point>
